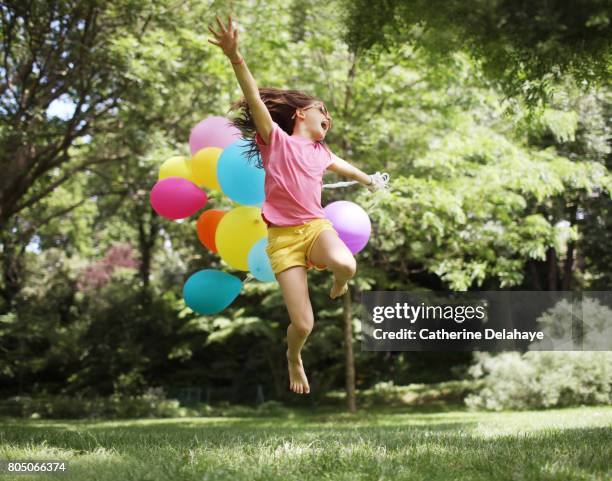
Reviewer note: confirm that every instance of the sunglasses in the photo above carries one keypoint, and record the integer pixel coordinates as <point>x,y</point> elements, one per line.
<point>321,109</point>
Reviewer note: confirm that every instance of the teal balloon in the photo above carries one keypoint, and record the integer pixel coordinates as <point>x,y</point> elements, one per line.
<point>209,291</point>
<point>259,263</point>
<point>240,180</point>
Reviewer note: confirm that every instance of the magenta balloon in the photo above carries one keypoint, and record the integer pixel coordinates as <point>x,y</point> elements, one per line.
<point>351,222</point>
<point>212,132</point>
<point>177,198</point>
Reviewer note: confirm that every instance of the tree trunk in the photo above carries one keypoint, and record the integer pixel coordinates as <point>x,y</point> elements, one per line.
<point>146,243</point>
<point>568,266</point>
<point>347,312</point>
<point>551,261</point>
<point>347,318</point>
<point>279,372</point>
<point>12,274</point>
<point>535,275</point>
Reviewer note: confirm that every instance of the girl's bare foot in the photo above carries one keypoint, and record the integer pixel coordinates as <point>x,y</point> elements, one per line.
<point>297,377</point>
<point>338,290</point>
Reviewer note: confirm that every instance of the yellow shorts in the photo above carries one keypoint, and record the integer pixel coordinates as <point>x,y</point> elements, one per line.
<point>290,246</point>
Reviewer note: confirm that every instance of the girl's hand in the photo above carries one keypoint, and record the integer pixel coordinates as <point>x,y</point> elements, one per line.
<point>226,39</point>
<point>378,181</point>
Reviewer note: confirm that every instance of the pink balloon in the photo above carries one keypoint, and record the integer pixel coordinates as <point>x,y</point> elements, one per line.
<point>212,132</point>
<point>351,222</point>
<point>177,198</point>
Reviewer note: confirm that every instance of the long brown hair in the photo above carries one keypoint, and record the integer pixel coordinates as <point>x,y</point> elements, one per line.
<point>281,104</point>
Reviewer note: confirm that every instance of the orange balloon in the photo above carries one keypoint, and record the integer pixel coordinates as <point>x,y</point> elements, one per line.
<point>207,227</point>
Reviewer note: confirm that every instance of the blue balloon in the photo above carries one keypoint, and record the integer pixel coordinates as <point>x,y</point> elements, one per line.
<point>209,291</point>
<point>259,263</point>
<point>239,180</point>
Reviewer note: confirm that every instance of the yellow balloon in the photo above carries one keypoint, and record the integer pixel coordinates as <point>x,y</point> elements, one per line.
<point>237,232</point>
<point>176,166</point>
<point>204,167</point>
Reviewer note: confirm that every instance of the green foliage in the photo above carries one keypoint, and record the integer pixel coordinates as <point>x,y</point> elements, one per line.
<point>526,47</point>
<point>152,404</point>
<point>545,379</point>
<point>272,408</point>
<point>541,379</point>
<point>388,393</point>
<point>482,188</point>
<point>478,204</point>
<point>593,314</point>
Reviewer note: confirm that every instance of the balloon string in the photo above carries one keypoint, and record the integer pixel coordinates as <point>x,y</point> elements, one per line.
<point>384,176</point>
<point>339,184</point>
<point>248,278</point>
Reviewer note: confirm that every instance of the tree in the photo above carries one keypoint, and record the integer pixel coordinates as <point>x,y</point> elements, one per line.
<point>88,85</point>
<point>478,198</point>
<point>523,46</point>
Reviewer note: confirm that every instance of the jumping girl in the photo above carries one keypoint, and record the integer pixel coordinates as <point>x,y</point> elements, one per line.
<point>287,128</point>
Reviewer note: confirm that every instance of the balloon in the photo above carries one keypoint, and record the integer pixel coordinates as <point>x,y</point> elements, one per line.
<point>212,132</point>
<point>259,263</point>
<point>176,198</point>
<point>209,291</point>
<point>176,166</point>
<point>204,167</point>
<point>207,227</point>
<point>239,180</point>
<point>236,233</point>
<point>351,222</point>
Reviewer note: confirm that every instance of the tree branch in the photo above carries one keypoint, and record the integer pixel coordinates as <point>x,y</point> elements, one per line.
<point>35,226</point>
<point>50,188</point>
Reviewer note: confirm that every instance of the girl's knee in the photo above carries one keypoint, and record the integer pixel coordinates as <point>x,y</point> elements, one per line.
<point>302,328</point>
<point>346,267</point>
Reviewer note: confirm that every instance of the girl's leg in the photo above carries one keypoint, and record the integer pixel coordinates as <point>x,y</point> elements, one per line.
<point>294,286</point>
<point>329,250</point>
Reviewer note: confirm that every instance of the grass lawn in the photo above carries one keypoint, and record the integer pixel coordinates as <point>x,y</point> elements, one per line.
<point>401,444</point>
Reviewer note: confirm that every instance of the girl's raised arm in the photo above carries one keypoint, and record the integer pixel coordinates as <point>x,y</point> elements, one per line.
<point>227,40</point>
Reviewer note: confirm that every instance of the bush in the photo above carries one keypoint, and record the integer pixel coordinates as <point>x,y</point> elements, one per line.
<point>387,393</point>
<point>272,408</point>
<point>151,404</point>
<point>541,379</point>
<point>226,409</point>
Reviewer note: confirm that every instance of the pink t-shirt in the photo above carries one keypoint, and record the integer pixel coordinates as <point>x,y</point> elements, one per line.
<point>294,168</point>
